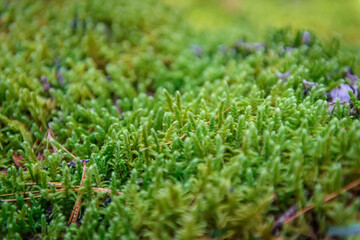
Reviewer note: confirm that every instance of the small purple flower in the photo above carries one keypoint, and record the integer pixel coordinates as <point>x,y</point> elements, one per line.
<point>354,79</point>
<point>309,85</point>
<point>257,46</point>
<point>279,222</point>
<point>108,78</point>
<point>118,108</point>
<point>341,93</point>
<point>197,50</point>
<point>285,50</point>
<point>45,83</point>
<point>289,49</point>
<point>59,77</point>
<point>351,76</point>
<point>306,38</point>
<point>241,44</point>
<point>73,163</point>
<point>107,201</point>
<point>283,76</point>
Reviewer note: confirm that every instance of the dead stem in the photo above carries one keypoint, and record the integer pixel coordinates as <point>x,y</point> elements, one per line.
<point>77,205</point>
<point>326,199</point>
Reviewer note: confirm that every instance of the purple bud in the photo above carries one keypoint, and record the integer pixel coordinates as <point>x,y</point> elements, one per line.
<point>118,108</point>
<point>257,46</point>
<point>283,76</point>
<point>45,83</point>
<point>140,181</point>
<point>279,222</point>
<point>197,50</point>
<point>285,50</point>
<point>341,93</point>
<point>73,163</point>
<point>306,38</point>
<point>59,77</point>
<point>107,201</point>
<point>241,44</point>
<point>85,160</point>
<point>309,85</point>
<point>352,77</point>
<point>108,78</point>
<point>289,49</point>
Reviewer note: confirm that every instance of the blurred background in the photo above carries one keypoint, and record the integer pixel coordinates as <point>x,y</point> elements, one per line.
<point>327,18</point>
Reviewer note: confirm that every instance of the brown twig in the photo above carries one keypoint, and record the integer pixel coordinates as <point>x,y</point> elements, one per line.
<point>77,205</point>
<point>23,193</point>
<point>326,199</point>
<point>51,138</point>
<point>42,140</point>
<point>55,184</point>
<point>14,200</point>
<point>76,189</point>
<point>47,139</point>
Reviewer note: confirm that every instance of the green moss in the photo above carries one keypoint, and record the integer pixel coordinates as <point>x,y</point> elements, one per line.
<point>202,136</point>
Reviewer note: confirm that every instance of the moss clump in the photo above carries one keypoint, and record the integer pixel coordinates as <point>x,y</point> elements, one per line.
<point>206,139</point>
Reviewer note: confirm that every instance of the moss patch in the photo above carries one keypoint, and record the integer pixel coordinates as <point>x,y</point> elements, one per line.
<point>206,135</point>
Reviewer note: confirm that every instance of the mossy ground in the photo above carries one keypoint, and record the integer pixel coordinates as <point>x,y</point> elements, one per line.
<point>111,78</point>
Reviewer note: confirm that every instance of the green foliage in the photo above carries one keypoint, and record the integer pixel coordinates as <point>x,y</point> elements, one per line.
<point>128,92</point>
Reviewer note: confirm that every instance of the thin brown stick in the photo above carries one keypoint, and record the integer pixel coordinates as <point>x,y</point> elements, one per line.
<point>76,189</point>
<point>14,200</point>
<point>67,151</point>
<point>51,138</point>
<point>106,190</point>
<point>226,110</point>
<point>34,144</point>
<point>60,185</point>
<point>20,193</point>
<point>32,192</point>
<point>75,212</point>
<point>27,198</point>
<point>42,140</point>
<point>326,199</point>
<point>54,147</point>
<point>47,139</point>
<point>184,136</point>
<point>55,184</point>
